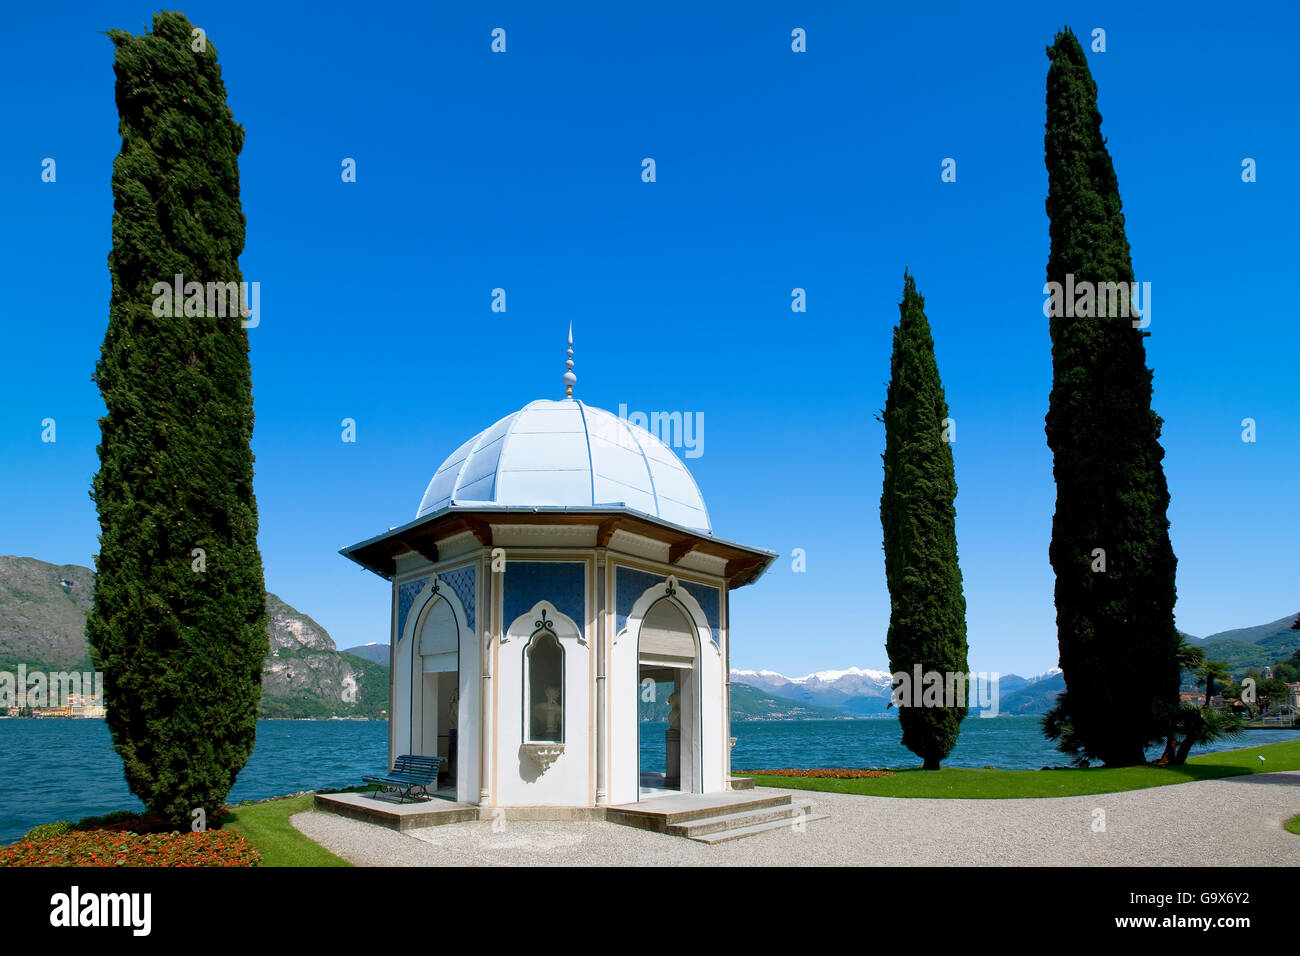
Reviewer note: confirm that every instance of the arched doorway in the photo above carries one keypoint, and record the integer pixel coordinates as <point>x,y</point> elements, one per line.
<point>668,693</point>
<point>435,687</point>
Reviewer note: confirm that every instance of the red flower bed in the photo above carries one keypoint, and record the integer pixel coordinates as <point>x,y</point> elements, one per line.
<point>831,772</point>
<point>116,848</point>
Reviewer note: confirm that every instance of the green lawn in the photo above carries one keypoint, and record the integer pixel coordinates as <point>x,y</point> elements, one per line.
<point>267,827</point>
<point>1292,825</point>
<point>1002,784</point>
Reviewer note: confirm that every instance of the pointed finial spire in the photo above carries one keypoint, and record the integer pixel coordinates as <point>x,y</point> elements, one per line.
<point>569,378</point>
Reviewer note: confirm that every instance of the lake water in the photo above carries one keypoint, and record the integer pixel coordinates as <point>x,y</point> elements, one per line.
<point>54,769</point>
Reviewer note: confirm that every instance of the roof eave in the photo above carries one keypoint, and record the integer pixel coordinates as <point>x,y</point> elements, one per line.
<point>487,509</point>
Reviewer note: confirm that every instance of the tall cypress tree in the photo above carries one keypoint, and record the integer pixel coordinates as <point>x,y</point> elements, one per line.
<point>1110,537</point>
<point>927,618</point>
<point>178,623</point>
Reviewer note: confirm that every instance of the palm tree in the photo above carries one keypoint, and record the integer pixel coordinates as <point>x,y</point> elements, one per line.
<point>1058,726</point>
<point>1195,725</point>
<point>1201,725</point>
<point>1189,658</point>
<point>1210,671</point>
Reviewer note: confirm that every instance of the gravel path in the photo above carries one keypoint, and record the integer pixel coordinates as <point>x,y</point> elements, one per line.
<point>1189,824</point>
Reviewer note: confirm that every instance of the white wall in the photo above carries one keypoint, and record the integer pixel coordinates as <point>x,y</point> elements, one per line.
<point>568,781</point>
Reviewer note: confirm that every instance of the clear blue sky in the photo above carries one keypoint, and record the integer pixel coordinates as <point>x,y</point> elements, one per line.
<point>775,170</point>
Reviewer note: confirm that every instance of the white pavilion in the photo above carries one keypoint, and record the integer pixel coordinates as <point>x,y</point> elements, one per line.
<point>561,572</point>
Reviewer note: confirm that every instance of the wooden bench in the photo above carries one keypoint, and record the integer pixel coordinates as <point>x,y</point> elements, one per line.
<point>410,772</point>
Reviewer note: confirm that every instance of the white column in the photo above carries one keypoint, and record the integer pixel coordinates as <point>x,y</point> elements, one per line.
<point>490,626</point>
<point>725,636</point>
<point>601,637</point>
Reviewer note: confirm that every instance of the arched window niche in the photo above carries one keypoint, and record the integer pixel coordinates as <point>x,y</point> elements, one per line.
<point>544,686</point>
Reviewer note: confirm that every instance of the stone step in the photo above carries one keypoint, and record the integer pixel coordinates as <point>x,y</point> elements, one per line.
<point>659,815</point>
<point>724,836</point>
<point>732,820</point>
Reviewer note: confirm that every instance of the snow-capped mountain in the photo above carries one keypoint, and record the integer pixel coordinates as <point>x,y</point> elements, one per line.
<point>1050,672</point>
<point>854,690</point>
<point>821,677</point>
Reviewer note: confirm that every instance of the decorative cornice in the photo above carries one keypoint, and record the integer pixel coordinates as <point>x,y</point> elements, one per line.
<point>636,545</point>
<point>581,536</point>
<point>456,545</point>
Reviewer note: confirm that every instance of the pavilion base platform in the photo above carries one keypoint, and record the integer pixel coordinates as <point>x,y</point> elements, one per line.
<point>705,818</point>
<point>396,816</point>
<point>439,811</point>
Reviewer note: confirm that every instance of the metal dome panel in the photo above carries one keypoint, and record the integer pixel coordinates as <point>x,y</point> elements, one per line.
<point>568,453</point>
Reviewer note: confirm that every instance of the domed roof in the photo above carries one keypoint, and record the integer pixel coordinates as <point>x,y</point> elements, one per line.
<point>568,453</point>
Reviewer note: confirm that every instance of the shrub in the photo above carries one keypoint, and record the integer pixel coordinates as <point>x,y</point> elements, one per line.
<point>47,830</point>
<point>130,820</point>
<point>117,816</point>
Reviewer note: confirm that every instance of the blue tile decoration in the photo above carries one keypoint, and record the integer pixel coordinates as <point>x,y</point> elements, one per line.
<point>405,598</point>
<point>560,582</point>
<point>462,581</point>
<point>630,584</point>
<point>709,598</point>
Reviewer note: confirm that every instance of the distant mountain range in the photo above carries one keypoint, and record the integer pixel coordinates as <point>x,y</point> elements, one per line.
<point>747,703</point>
<point>376,653</point>
<point>43,611</point>
<point>1035,697</point>
<point>750,703</point>
<point>1260,646</point>
<point>857,692</point>
<point>853,692</point>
